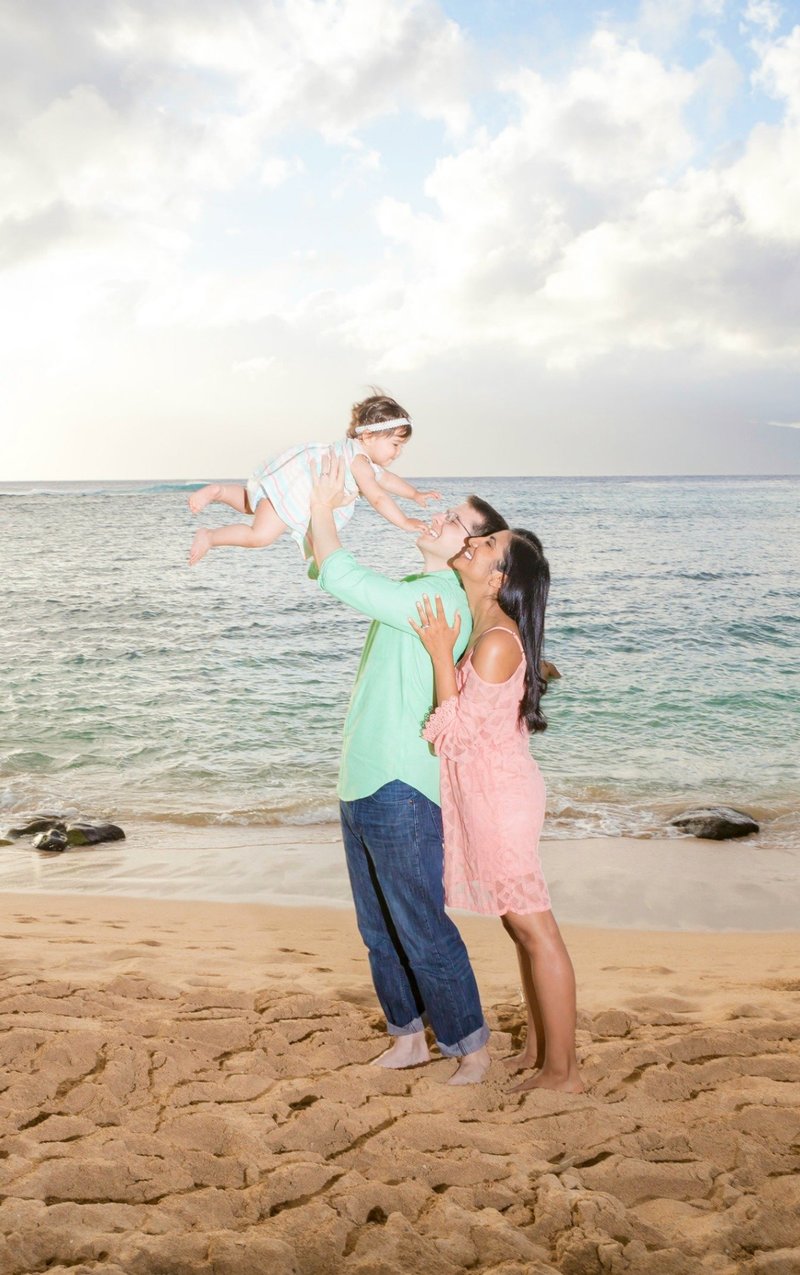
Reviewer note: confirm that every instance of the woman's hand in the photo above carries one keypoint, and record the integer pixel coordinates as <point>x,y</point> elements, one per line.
<point>327,483</point>
<point>436,635</point>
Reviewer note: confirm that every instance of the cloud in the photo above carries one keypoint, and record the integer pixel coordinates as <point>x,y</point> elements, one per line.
<point>584,227</point>
<point>763,13</point>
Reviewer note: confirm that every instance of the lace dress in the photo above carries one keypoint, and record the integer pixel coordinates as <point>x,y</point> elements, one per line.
<point>493,797</point>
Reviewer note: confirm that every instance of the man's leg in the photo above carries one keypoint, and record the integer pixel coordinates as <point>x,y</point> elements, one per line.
<point>393,980</point>
<point>402,832</point>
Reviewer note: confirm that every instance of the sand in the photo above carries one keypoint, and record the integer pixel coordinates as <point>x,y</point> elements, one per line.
<point>187,1090</point>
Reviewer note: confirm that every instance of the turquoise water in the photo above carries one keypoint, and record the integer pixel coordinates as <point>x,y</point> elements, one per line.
<point>135,687</point>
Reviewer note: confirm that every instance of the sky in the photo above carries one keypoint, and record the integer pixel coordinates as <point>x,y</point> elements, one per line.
<point>565,237</point>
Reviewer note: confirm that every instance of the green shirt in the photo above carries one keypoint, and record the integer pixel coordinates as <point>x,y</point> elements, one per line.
<point>393,692</point>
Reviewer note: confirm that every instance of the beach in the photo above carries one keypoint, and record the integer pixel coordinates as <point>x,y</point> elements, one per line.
<point>188,1089</point>
<point>188,1018</point>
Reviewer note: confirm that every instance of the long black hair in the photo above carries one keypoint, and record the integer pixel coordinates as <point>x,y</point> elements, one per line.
<point>523,597</point>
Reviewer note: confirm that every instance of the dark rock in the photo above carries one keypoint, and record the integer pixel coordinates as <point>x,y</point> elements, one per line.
<point>39,823</point>
<point>549,671</point>
<point>89,834</point>
<point>716,823</point>
<point>52,839</point>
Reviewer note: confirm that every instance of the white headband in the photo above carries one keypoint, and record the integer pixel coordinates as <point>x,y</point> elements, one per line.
<point>382,425</point>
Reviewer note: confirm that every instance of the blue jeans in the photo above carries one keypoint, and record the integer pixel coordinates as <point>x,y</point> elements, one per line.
<point>420,966</point>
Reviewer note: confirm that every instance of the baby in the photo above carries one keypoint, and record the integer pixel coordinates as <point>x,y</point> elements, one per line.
<point>278,495</point>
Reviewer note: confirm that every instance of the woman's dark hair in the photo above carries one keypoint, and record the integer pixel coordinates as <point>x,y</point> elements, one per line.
<point>523,597</point>
<point>378,407</point>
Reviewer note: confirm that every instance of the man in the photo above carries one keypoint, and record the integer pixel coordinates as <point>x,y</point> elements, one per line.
<point>389,790</point>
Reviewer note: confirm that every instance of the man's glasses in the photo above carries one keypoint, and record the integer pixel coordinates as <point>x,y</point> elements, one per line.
<point>451,516</point>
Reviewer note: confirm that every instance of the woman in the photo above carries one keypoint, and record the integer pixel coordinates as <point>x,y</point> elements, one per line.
<point>493,795</point>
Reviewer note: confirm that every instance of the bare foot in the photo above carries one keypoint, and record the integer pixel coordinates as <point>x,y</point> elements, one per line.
<point>200,546</point>
<point>522,1061</point>
<point>199,499</point>
<point>404,1051</point>
<point>563,1082</point>
<point>471,1068</point>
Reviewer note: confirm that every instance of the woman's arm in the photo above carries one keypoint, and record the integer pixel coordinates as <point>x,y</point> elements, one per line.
<point>379,498</point>
<point>463,721</point>
<point>439,639</point>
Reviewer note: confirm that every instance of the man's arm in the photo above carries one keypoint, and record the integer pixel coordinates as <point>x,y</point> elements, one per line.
<point>390,601</point>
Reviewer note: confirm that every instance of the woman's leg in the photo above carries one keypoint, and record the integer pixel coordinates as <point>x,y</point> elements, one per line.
<point>233,494</point>
<point>532,1052</point>
<point>265,529</point>
<point>553,981</point>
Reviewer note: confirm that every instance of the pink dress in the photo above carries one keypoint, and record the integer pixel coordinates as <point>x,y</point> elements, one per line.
<point>493,796</point>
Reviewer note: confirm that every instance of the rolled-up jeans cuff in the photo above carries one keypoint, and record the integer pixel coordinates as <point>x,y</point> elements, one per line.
<point>416,1025</point>
<point>476,1040</point>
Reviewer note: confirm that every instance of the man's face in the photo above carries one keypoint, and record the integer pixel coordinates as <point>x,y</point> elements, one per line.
<point>448,532</point>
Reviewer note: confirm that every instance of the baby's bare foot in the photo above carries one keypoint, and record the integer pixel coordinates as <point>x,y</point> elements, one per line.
<point>471,1068</point>
<point>200,546</point>
<point>405,1051</point>
<point>199,499</point>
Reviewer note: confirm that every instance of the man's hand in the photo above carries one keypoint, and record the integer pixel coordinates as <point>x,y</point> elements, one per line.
<point>327,483</point>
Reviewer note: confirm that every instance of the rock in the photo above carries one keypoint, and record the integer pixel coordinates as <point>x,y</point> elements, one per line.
<point>39,823</point>
<point>716,823</point>
<point>90,834</point>
<point>77,832</point>
<point>549,671</point>
<point>52,839</point>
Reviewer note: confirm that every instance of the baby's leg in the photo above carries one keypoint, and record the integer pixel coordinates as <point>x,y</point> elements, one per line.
<point>265,530</point>
<point>233,494</point>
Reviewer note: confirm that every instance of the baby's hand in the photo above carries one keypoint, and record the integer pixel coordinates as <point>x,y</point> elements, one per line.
<point>416,525</point>
<point>422,497</point>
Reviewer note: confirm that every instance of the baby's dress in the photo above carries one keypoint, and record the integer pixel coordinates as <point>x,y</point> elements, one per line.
<point>286,481</point>
<point>493,797</point>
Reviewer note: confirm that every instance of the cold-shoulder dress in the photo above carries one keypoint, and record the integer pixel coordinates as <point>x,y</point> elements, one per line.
<point>493,796</point>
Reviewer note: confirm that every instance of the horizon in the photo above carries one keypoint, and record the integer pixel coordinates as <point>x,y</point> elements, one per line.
<point>179,483</point>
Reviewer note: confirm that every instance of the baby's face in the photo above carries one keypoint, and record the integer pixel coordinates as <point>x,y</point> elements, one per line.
<point>383,449</point>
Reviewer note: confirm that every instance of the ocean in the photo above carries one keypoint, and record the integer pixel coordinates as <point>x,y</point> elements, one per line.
<point>136,688</point>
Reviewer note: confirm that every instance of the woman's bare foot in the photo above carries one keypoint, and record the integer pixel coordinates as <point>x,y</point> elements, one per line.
<point>522,1061</point>
<point>200,546</point>
<point>547,1078</point>
<point>404,1051</point>
<point>471,1068</point>
<point>205,496</point>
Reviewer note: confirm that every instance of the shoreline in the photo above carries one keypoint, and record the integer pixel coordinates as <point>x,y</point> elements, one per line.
<point>660,885</point>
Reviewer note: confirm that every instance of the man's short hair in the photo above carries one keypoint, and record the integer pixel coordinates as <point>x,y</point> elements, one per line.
<point>490,519</point>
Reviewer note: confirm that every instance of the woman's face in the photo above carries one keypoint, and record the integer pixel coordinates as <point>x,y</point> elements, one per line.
<point>478,560</point>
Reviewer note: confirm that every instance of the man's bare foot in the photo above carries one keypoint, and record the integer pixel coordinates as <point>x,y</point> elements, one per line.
<point>205,496</point>
<point>471,1068</point>
<point>200,546</point>
<point>523,1061</point>
<point>404,1051</point>
<point>547,1078</point>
